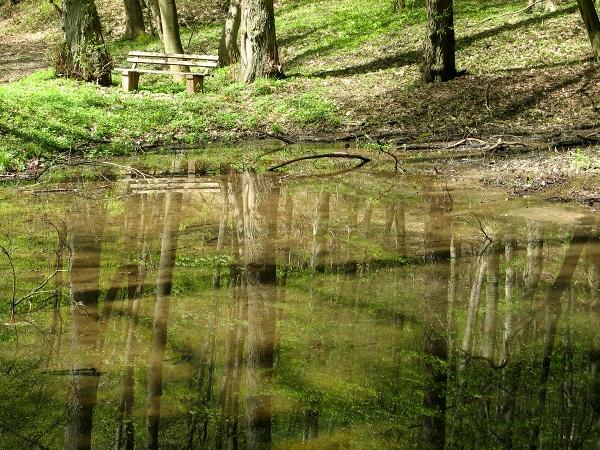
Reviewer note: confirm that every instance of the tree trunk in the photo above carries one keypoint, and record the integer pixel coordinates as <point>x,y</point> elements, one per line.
<point>491,306</point>
<point>86,243</point>
<point>154,8</point>
<point>134,25</point>
<point>592,24</point>
<point>437,253</point>
<point>474,299</point>
<point>125,438</point>
<point>439,50</point>
<point>258,43</point>
<point>398,5</point>
<point>320,234</point>
<point>84,55</point>
<point>164,284</point>
<point>229,48</point>
<point>560,285</point>
<point>260,233</point>
<point>170,28</point>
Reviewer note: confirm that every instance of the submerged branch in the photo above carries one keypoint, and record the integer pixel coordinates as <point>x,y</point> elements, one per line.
<point>364,160</point>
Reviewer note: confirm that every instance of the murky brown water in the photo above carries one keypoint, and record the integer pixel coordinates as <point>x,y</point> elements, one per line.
<point>262,311</point>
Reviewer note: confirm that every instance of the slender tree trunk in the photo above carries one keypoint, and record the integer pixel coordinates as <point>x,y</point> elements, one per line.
<point>125,438</point>
<point>154,9</point>
<point>234,398</point>
<point>289,220</point>
<point>86,239</point>
<point>170,26</point>
<point>134,19</point>
<point>320,233</point>
<point>56,324</point>
<point>439,50</point>
<point>164,284</point>
<point>400,227</point>
<point>592,24</point>
<point>366,222</point>
<point>258,42</point>
<point>229,48</point>
<point>84,55</point>
<point>560,285</point>
<point>491,306</point>
<point>437,253</point>
<point>474,299</point>
<point>533,268</point>
<point>170,29</point>
<point>260,231</point>
<point>489,327</point>
<point>398,5</point>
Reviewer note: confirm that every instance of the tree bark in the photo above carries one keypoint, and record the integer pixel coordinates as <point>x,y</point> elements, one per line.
<point>125,436</point>
<point>134,25</point>
<point>592,24</point>
<point>258,42</point>
<point>164,284</point>
<point>437,253</point>
<point>491,306</point>
<point>260,232</point>
<point>170,29</point>
<point>84,54</point>
<point>440,46</point>
<point>86,242</point>
<point>229,48</point>
<point>154,8</point>
<point>560,285</point>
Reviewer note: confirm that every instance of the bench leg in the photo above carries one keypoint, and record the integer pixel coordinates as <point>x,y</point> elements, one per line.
<point>194,83</point>
<point>130,80</point>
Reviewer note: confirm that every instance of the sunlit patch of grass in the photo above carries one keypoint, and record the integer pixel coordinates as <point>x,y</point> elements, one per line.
<point>310,108</point>
<point>581,161</point>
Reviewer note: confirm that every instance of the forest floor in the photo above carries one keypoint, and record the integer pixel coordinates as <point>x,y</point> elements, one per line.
<point>352,71</point>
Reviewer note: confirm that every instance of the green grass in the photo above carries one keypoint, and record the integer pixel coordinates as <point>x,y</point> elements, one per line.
<point>351,64</point>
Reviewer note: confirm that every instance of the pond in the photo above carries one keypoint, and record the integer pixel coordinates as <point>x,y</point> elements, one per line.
<point>247,309</point>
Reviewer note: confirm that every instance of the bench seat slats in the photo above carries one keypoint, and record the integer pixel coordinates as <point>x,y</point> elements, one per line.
<point>167,62</point>
<point>175,55</point>
<point>194,80</point>
<point>161,72</point>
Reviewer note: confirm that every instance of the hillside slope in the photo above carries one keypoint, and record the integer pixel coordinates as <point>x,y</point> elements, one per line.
<point>352,68</point>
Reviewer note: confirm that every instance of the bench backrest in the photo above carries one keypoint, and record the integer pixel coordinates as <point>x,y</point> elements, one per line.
<point>173,59</point>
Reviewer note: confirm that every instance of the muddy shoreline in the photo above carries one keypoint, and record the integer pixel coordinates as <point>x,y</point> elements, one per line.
<point>561,166</point>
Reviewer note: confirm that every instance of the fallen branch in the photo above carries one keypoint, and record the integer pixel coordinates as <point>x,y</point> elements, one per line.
<point>364,159</point>
<point>464,141</point>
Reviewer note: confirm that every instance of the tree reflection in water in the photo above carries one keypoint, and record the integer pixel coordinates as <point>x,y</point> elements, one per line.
<point>367,316</point>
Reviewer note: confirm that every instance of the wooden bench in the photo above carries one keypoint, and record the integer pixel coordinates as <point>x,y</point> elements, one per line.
<point>194,80</point>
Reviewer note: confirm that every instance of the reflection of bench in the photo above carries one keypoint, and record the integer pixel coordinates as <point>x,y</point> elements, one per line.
<point>194,80</point>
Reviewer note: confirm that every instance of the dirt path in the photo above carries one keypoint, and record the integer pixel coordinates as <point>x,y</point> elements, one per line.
<point>23,54</point>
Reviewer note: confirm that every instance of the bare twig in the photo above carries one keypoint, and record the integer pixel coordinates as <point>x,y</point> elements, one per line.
<point>38,290</point>
<point>487,237</point>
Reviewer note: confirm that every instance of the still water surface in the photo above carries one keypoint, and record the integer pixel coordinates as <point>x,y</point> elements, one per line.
<point>250,310</point>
